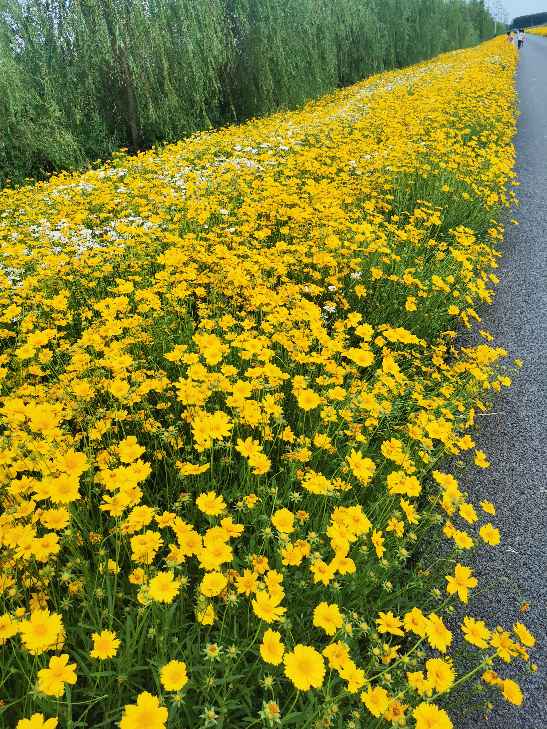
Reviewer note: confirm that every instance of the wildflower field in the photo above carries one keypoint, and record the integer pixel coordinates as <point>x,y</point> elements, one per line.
<point>235,405</point>
<point>542,30</point>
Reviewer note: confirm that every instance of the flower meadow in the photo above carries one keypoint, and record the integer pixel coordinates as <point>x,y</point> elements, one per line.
<point>542,30</point>
<point>236,405</point>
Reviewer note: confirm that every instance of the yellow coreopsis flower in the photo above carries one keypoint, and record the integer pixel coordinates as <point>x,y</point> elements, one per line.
<point>328,617</point>
<point>376,700</point>
<point>105,644</point>
<point>512,692</point>
<point>440,674</point>
<point>389,623</point>
<point>147,712</point>
<point>37,721</point>
<point>42,631</point>
<point>283,521</point>
<point>429,716</point>
<point>173,675</point>
<point>211,504</point>
<point>305,667</point>
<point>272,648</point>
<point>163,587</point>
<point>461,582</point>
<point>52,680</point>
<point>213,584</point>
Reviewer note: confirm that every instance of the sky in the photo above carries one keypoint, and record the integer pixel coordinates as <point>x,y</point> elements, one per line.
<point>524,7</point>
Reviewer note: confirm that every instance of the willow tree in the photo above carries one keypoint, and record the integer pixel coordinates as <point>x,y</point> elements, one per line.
<point>34,136</point>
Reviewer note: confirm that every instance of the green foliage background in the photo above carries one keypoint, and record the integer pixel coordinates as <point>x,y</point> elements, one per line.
<point>529,21</point>
<point>81,78</point>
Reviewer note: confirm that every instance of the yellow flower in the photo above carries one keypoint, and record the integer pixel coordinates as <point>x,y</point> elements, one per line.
<point>322,572</point>
<point>440,674</point>
<point>362,468</point>
<point>271,712</point>
<point>214,553</point>
<point>467,512</point>
<point>260,464</point>
<point>211,504</point>
<point>511,692</point>
<point>462,539</point>
<point>105,644</point>
<point>524,635</point>
<point>271,648</point>
<point>213,584</point>
<point>129,449</point>
<point>476,632</point>
<point>8,628</point>
<point>488,507</point>
<point>337,655</point>
<point>266,606</point>
<point>283,521</point>
<point>205,614</point>
<point>481,460</point>
<point>377,540</point>
<point>43,631</point>
<point>316,483</point>
<point>173,675</point>
<point>163,587</point>
<point>416,622</point>
<point>207,301</point>
<point>51,680</point>
<point>505,647</point>
<point>410,304</point>
<point>190,469</point>
<point>438,635</point>
<point>490,534</point>
<point>395,713</point>
<point>461,582</point>
<point>247,582</point>
<point>307,399</point>
<point>429,716</point>
<point>389,623</point>
<point>147,712</point>
<point>354,676</point>
<point>305,667</point>
<point>328,617</point>
<point>362,356</point>
<point>376,700</point>
<point>37,721</point>
<point>418,682</point>
<point>63,488</point>
<point>492,678</point>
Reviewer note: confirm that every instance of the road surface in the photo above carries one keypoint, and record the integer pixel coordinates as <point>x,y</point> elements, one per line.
<point>515,434</point>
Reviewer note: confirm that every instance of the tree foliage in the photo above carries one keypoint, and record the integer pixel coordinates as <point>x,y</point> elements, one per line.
<point>80,78</point>
<point>529,21</point>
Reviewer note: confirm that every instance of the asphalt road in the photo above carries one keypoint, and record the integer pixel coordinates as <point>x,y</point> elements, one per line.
<point>515,434</point>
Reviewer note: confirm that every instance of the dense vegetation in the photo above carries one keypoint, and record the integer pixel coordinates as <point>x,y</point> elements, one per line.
<point>236,422</point>
<point>80,78</point>
<point>529,21</point>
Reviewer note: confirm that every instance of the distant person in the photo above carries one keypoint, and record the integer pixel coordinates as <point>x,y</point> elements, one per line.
<point>509,36</point>
<point>520,38</point>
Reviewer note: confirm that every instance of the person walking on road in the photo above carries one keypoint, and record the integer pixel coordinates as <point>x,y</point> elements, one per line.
<point>520,38</point>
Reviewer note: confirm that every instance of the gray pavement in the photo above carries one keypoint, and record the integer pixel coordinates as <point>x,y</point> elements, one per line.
<point>514,435</point>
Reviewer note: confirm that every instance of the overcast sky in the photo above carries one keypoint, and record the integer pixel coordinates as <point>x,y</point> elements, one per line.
<point>523,7</point>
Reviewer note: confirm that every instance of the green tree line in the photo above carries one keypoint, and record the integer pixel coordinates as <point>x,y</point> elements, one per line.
<point>529,21</point>
<point>81,78</point>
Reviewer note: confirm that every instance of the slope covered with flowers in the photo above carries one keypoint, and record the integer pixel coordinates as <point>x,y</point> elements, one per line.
<point>232,398</point>
<point>541,30</point>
